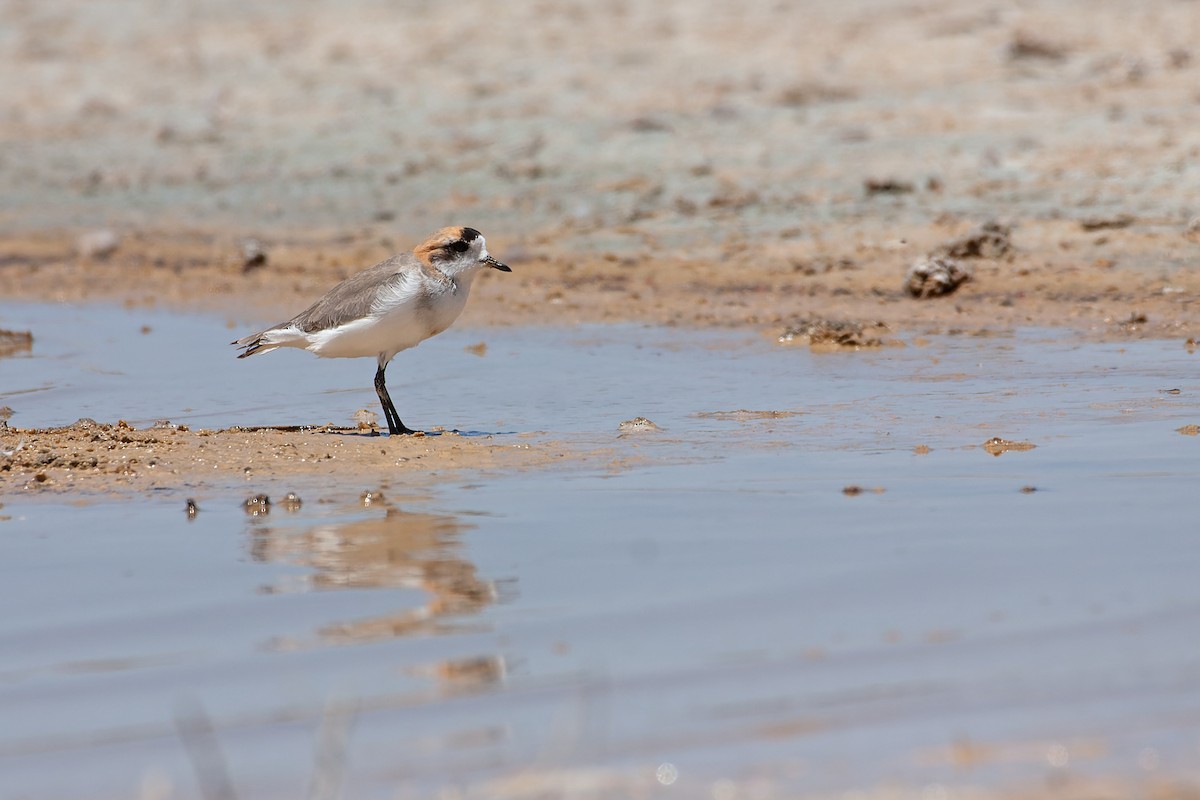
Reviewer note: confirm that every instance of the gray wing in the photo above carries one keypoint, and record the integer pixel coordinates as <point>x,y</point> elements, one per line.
<point>352,298</point>
<point>349,300</point>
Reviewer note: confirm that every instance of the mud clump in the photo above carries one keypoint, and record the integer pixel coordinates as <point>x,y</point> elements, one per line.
<point>935,276</point>
<point>997,446</point>
<point>875,186</point>
<point>1133,323</point>
<point>990,240</point>
<point>855,490</point>
<point>941,272</point>
<point>745,415</point>
<point>366,420</point>
<point>827,334</point>
<point>638,425</point>
<point>257,506</point>
<point>84,446</point>
<point>1025,46</point>
<point>1113,222</point>
<point>810,93</point>
<point>823,265</point>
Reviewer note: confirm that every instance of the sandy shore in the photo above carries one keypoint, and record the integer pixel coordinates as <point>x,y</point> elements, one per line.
<point>1040,281</point>
<point>89,457</point>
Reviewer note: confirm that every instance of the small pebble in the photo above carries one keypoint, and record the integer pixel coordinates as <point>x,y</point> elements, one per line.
<point>873,186</point>
<point>854,490</point>
<point>1102,223</point>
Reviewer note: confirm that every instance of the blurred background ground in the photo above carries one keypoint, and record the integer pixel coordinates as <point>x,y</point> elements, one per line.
<point>691,162</point>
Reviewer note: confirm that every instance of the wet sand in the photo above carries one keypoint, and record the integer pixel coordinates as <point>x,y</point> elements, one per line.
<point>1056,275</point>
<point>98,458</point>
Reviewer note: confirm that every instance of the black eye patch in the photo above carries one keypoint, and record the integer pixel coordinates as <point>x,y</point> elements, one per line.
<point>460,246</point>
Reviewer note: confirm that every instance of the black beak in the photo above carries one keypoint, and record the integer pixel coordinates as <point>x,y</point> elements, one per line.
<point>496,264</point>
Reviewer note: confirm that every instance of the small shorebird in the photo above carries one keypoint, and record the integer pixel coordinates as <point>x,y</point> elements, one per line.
<point>392,306</point>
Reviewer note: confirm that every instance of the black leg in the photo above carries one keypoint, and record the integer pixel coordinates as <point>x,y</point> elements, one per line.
<point>395,426</point>
<point>385,400</point>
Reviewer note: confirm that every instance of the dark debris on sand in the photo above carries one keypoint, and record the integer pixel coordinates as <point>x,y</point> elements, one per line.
<point>990,240</point>
<point>941,272</point>
<point>828,333</point>
<point>934,276</point>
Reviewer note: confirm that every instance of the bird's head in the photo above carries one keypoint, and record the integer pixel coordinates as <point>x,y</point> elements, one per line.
<point>457,249</point>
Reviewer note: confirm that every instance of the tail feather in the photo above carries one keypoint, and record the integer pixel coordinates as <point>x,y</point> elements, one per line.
<point>265,341</point>
<point>255,343</point>
<point>250,345</point>
<point>251,348</point>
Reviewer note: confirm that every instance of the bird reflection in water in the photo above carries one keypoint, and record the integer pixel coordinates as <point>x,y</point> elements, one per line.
<point>399,549</point>
<point>14,342</point>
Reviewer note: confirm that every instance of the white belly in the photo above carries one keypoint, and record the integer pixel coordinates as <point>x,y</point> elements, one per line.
<point>398,328</point>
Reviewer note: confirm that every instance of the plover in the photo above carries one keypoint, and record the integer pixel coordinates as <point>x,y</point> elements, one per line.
<point>392,306</point>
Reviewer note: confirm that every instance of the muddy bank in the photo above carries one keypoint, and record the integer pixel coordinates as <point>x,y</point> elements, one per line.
<point>96,458</point>
<point>1056,274</point>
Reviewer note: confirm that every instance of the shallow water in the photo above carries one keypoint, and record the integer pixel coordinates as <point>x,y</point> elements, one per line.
<point>707,606</point>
